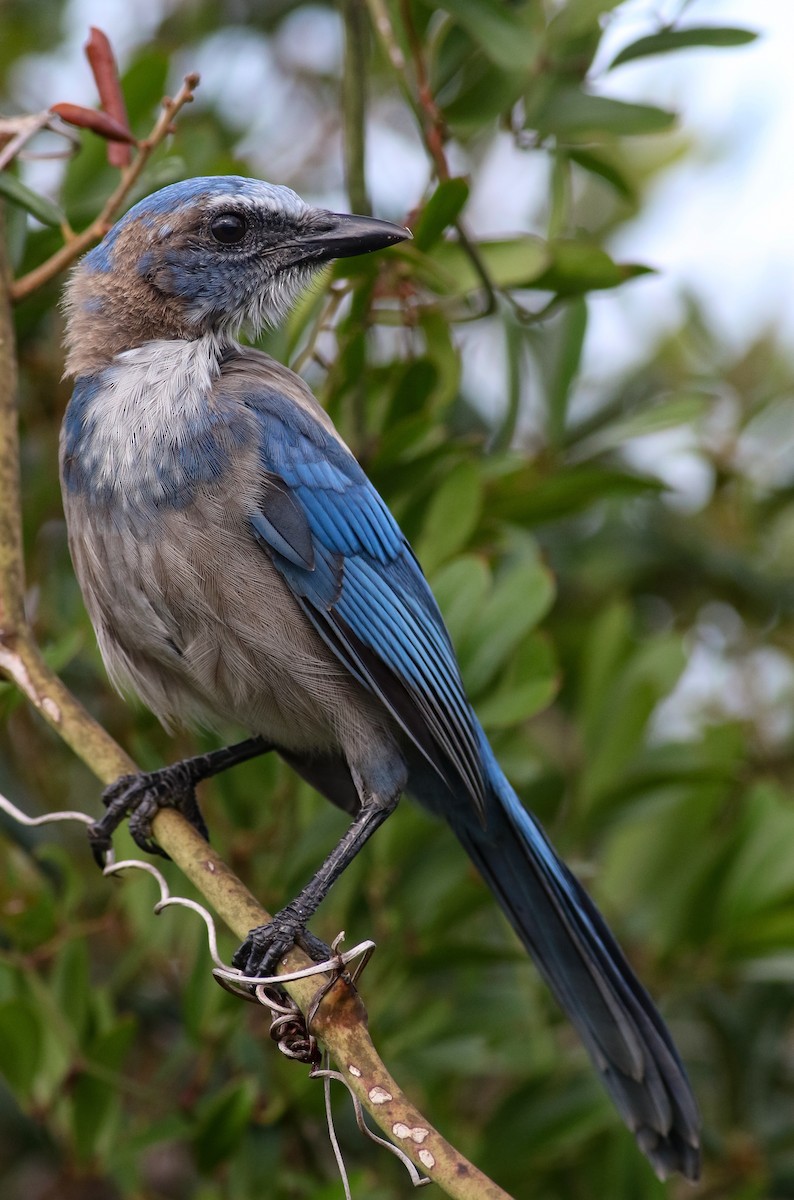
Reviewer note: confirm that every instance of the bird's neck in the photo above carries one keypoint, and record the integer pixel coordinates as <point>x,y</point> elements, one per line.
<point>131,431</point>
<point>107,316</point>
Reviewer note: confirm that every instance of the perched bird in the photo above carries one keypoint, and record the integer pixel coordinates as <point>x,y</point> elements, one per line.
<point>238,565</point>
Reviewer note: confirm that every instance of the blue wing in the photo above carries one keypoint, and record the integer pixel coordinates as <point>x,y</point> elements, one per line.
<point>334,541</point>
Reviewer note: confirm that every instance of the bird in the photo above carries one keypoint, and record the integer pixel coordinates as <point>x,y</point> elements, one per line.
<point>238,566</point>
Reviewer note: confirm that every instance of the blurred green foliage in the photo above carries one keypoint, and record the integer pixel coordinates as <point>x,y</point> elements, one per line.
<point>579,595</point>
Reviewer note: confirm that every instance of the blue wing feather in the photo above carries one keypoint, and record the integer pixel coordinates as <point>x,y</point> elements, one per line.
<point>364,591</point>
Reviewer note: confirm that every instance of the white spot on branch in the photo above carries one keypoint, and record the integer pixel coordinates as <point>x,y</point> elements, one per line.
<point>416,1134</point>
<point>379,1095</point>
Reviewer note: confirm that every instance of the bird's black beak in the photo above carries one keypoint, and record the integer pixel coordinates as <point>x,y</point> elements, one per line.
<point>340,235</point>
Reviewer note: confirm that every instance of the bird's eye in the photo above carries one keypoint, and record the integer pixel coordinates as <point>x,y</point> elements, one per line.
<point>228,228</point>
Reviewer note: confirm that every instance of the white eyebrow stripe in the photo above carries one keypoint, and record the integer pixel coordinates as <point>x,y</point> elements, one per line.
<point>281,200</point>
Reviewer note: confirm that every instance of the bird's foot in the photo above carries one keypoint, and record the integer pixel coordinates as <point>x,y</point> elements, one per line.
<point>140,797</point>
<point>266,945</point>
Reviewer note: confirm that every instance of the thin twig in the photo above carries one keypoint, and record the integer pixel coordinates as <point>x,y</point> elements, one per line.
<point>22,129</point>
<point>430,120</point>
<point>435,127</point>
<point>101,224</point>
<point>385,31</point>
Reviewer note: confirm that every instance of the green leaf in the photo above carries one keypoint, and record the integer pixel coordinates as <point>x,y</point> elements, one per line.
<point>24,197</point>
<point>20,1045</point>
<point>95,1107</point>
<point>577,267</point>
<point>569,111</point>
<point>498,30</point>
<point>223,1123</point>
<point>528,684</point>
<point>564,368</point>
<point>760,875</point>
<point>596,164</point>
<point>532,498</point>
<point>445,356</point>
<point>16,223</point>
<point>668,412</point>
<point>441,211</point>
<point>305,311</point>
<point>578,17</point>
<point>111,1046</point>
<point>647,677</point>
<point>519,599</point>
<point>668,40</point>
<point>407,441</point>
<point>482,93</point>
<point>70,985</point>
<point>512,263</point>
<point>452,515</point>
<point>460,589</point>
<point>606,646</point>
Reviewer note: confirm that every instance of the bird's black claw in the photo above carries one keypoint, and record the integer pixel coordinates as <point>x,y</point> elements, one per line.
<point>140,797</point>
<point>100,842</point>
<point>266,945</point>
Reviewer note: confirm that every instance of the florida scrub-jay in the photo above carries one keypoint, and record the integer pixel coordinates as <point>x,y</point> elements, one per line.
<point>237,564</point>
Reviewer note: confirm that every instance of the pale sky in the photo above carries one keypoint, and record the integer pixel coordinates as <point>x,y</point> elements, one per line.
<point>721,223</point>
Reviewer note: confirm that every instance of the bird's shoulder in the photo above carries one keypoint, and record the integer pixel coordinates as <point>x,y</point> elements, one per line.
<point>306,464</point>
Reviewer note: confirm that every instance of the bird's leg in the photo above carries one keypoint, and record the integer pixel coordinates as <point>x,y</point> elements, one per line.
<point>265,945</point>
<point>141,796</point>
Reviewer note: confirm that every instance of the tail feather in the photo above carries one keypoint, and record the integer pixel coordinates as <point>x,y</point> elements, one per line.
<point>589,975</point>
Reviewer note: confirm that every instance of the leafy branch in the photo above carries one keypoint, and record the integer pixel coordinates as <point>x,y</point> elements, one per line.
<point>78,243</point>
<point>417,91</point>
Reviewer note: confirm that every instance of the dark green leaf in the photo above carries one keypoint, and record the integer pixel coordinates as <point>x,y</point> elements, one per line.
<point>567,354</point>
<point>38,206</point>
<point>577,267</point>
<point>536,499</point>
<point>441,211</point>
<point>20,1045</point>
<point>498,29</point>
<point>571,112</point>
<point>668,40</point>
<point>71,989</point>
<point>461,588</point>
<point>527,685</point>
<point>223,1122</point>
<point>451,516</point>
<point>520,597</point>
<point>511,263</point>
<point>482,92</point>
<point>598,165</point>
<point>95,1105</point>
<point>573,20</point>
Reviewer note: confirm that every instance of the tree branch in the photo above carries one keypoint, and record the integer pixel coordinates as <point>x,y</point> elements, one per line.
<point>76,245</point>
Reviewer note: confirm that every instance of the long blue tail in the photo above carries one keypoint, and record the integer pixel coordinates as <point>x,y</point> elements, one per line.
<point>587,972</point>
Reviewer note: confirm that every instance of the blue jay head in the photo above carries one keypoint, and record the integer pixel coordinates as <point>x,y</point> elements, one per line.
<point>214,254</point>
